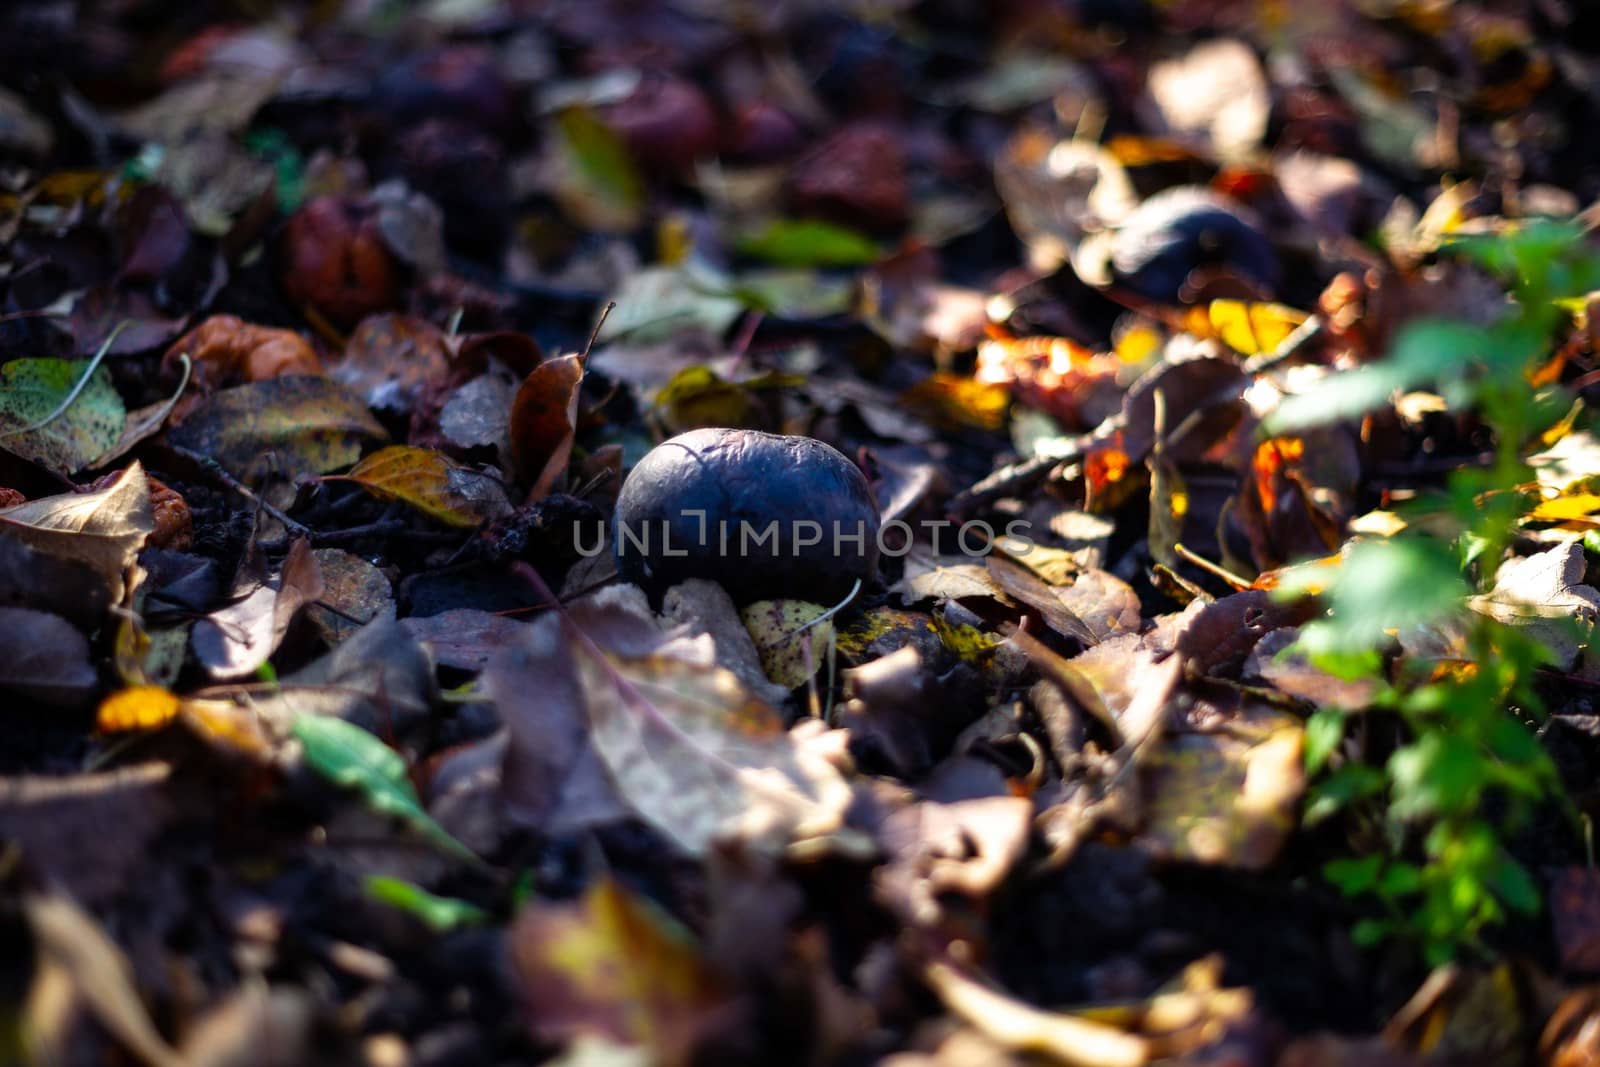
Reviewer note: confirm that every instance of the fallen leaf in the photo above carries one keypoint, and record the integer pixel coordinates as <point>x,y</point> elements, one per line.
<point>290,426</point>
<point>595,178</point>
<point>793,645</point>
<point>1021,1027</point>
<point>31,394</point>
<point>48,816</point>
<point>78,957</point>
<point>686,745</point>
<point>349,756</point>
<point>389,359</point>
<point>1229,797</point>
<point>354,593</point>
<point>235,640</point>
<point>46,660</point>
<point>104,529</point>
<point>1575,914</point>
<point>434,484</point>
<point>1545,595</point>
<point>440,914</point>
<point>613,965</point>
<point>544,418</point>
<point>137,708</point>
<point>1216,90</point>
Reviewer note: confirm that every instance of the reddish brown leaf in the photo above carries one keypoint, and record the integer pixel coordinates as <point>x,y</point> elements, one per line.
<point>544,417</point>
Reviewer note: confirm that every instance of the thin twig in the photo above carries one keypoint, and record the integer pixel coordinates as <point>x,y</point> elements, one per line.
<point>217,471</point>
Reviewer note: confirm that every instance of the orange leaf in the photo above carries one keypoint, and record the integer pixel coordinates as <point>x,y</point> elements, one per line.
<point>140,707</point>
<point>544,417</point>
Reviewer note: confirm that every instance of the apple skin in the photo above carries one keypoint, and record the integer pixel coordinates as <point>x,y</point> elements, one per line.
<point>747,480</point>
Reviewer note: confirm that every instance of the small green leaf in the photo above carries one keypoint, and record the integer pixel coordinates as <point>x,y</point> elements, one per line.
<point>440,914</point>
<point>349,756</point>
<point>1354,876</point>
<point>809,243</point>
<point>1324,731</point>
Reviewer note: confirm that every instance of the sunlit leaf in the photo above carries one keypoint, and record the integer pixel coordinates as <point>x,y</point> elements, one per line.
<point>434,484</point>
<point>137,708</point>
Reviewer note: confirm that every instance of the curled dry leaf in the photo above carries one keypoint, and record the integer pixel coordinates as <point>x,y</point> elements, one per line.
<point>1545,595</point>
<point>104,529</point>
<point>226,350</point>
<point>236,640</point>
<point>1020,1027</point>
<point>78,960</point>
<point>544,417</point>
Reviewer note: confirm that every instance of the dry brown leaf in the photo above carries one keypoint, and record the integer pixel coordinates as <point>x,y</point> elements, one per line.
<point>544,417</point>
<point>78,960</point>
<point>1545,596</point>
<point>104,529</point>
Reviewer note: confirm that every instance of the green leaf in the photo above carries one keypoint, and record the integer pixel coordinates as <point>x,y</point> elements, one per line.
<point>349,756</point>
<point>606,183</point>
<point>440,914</point>
<point>1440,773</point>
<point>1511,883</point>
<point>809,243</point>
<point>1324,731</point>
<point>31,393</point>
<point>1354,876</point>
<point>1428,351</point>
<point>1381,586</point>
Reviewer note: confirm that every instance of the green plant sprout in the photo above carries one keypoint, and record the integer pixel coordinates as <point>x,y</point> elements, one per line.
<point>1430,823</point>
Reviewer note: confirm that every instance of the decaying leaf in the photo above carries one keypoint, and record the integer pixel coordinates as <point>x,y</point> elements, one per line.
<point>792,643</point>
<point>434,484</point>
<point>288,426</point>
<point>34,425</point>
<point>613,965</point>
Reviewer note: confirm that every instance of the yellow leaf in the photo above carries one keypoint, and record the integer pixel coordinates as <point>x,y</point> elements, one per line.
<point>953,400</point>
<point>791,648</point>
<point>1248,328</point>
<point>1566,508</point>
<point>137,708</point>
<point>432,483</point>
